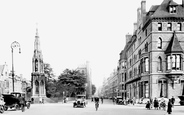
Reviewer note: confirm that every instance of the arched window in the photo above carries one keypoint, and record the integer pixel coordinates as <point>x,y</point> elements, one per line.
<point>159,63</point>
<point>42,86</point>
<point>146,47</point>
<point>162,87</point>
<point>146,64</point>
<point>159,43</point>
<point>37,87</point>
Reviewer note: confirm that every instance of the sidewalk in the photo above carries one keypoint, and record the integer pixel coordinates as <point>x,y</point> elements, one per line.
<point>177,110</point>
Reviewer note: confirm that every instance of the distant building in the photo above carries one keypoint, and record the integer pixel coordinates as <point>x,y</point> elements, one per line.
<point>6,85</point>
<point>4,74</point>
<point>86,71</point>
<point>109,88</point>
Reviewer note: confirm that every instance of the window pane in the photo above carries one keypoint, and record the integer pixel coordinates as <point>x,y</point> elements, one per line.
<point>173,61</point>
<point>169,62</point>
<point>147,64</point>
<point>159,43</point>
<point>169,27</point>
<point>179,26</point>
<point>178,61</point>
<point>159,26</point>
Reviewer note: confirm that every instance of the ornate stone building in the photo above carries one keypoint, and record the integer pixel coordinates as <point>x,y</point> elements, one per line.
<point>85,69</point>
<point>151,64</point>
<point>37,75</point>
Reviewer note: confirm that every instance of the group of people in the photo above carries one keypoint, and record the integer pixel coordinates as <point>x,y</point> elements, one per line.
<point>158,104</point>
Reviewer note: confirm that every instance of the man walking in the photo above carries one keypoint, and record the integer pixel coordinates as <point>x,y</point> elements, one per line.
<point>102,100</point>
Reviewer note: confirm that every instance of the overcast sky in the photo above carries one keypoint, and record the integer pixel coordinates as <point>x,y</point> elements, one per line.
<point>71,33</point>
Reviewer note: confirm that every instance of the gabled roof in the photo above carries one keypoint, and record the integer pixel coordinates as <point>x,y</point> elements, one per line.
<point>172,3</point>
<point>123,55</point>
<point>162,10</point>
<point>153,8</point>
<point>174,45</point>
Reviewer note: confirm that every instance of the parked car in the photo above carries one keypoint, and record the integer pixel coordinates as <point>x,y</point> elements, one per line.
<point>2,105</point>
<point>80,101</point>
<point>119,100</point>
<point>27,98</point>
<point>12,101</point>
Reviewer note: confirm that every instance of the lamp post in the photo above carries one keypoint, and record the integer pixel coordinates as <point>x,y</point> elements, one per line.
<point>14,45</point>
<point>86,89</point>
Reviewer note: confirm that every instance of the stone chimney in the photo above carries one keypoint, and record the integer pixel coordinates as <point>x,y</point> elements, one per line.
<point>183,3</point>
<point>128,37</point>
<point>143,7</point>
<point>135,27</point>
<point>138,15</point>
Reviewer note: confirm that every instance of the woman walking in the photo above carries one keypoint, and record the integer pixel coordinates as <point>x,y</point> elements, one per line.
<point>169,107</point>
<point>156,104</point>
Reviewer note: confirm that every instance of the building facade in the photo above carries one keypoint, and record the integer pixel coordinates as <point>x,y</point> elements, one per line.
<point>6,84</point>
<point>151,64</point>
<point>84,69</point>
<point>110,86</point>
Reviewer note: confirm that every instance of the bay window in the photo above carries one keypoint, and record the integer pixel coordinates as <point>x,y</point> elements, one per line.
<point>174,62</point>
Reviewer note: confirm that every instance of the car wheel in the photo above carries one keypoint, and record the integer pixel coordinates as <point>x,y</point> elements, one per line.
<point>1,109</point>
<point>16,107</point>
<point>5,108</point>
<point>28,105</point>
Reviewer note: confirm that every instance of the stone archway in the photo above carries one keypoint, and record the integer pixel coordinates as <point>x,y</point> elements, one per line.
<point>42,86</point>
<point>162,84</point>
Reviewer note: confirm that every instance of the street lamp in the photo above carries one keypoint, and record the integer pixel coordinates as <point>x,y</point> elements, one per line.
<point>14,45</point>
<point>86,89</point>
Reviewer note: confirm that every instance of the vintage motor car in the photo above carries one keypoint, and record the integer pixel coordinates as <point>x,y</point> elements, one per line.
<point>2,105</point>
<point>119,100</point>
<point>27,98</point>
<point>80,101</point>
<point>12,101</point>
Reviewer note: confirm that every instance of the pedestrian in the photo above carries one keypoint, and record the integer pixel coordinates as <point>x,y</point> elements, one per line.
<point>148,105</point>
<point>40,100</point>
<point>102,100</point>
<point>133,100</point>
<point>172,100</point>
<point>169,107</point>
<point>156,104</point>
<point>43,100</point>
<point>91,99</point>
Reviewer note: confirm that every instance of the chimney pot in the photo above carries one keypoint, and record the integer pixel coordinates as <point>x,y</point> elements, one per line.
<point>135,27</point>
<point>143,6</point>
<point>128,37</point>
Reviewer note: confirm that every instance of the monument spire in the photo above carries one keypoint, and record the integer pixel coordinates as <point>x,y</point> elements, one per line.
<point>37,41</point>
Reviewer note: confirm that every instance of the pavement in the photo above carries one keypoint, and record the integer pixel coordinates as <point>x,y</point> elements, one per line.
<point>177,109</point>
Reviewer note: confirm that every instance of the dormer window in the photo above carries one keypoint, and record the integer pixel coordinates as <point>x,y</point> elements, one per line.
<point>178,26</point>
<point>169,26</point>
<point>172,9</point>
